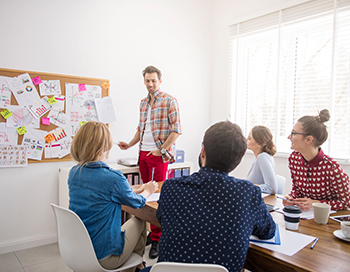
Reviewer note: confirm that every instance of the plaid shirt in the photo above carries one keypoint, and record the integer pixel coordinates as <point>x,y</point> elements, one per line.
<point>165,118</point>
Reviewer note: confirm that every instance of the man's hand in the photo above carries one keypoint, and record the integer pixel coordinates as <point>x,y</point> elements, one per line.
<point>155,153</point>
<point>123,145</point>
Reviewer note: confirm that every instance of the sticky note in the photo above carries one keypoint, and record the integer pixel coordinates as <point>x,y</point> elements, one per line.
<point>49,138</point>
<point>52,100</point>
<point>82,123</point>
<point>82,87</point>
<point>21,130</point>
<point>45,121</point>
<point>6,113</point>
<point>105,85</point>
<point>36,80</point>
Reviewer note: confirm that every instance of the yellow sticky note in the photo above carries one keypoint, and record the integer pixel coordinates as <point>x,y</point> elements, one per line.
<point>105,85</point>
<point>6,113</point>
<point>82,123</point>
<point>52,100</point>
<point>21,130</point>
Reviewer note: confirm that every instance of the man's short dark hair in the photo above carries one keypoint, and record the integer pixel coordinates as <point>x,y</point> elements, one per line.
<point>151,70</point>
<point>224,146</point>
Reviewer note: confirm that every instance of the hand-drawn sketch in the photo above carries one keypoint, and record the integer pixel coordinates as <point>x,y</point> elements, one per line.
<point>52,150</point>
<point>40,107</point>
<point>5,92</point>
<point>80,105</point>
<point>13,156</point>
<point>59,106</point>
<point>50,87</point>
<point>23,89</point>
<point>35,152</point>
<point>58,118</point>
<point>34,137</point>
<point>21,117</point>
<point>8,136</point>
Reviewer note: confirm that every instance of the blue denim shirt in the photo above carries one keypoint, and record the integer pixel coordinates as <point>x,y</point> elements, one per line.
<point>96,194</point>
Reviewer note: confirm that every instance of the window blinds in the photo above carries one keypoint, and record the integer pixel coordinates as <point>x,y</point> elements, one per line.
<point>291,63</point>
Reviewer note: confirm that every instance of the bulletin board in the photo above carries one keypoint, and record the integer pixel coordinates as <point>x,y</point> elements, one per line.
<point>104,83</point>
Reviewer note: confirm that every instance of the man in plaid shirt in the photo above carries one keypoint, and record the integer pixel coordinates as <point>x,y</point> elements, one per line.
<point>159,127</point>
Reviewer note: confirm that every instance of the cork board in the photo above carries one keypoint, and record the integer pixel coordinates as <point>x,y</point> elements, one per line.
<point>104,83</point>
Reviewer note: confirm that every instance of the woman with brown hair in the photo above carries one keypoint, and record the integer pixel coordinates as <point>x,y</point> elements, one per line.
<point>316,177</point>
<point>263,171</point>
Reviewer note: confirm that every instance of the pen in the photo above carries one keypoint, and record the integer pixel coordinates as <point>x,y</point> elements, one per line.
<point>285,198</point>
<point>152,173</point>
<point>314,243</point>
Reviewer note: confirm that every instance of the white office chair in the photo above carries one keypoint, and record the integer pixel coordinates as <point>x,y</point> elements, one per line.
<point>76,247</point>
<point>281,181</point>
<point>187,267</point>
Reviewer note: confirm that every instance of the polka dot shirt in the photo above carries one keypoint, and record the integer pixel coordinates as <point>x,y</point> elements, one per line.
<point>322,179</point>
<point>208,217</point>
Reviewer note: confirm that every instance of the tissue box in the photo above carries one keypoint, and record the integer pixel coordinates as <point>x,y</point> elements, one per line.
<point>180,155</point>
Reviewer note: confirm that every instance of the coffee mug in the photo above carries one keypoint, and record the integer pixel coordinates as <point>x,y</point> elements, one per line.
<point>321,212</point>
<point>345,228</point>
<point>292,217</point>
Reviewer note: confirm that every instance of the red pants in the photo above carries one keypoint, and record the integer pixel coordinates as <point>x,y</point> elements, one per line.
<point>146,165</point>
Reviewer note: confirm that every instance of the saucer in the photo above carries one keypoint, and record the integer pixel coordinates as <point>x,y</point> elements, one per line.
<point>339,234</point>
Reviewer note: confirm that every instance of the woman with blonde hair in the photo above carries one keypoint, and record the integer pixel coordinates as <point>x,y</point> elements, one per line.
<point>96,194</point>
<point>262,171</point>
<point>316,177</point>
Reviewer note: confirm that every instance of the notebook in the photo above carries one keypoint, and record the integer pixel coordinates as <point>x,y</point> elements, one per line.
<point>276,240</point>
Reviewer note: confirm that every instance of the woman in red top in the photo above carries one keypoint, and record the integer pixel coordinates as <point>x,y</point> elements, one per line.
<point>316,177</point>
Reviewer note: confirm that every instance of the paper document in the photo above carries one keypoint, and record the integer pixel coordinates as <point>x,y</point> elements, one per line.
<point>310,214</point>
<point>291,242</point>
<point>128,162</point>
<point>105,110</point>
<point>153,197</point>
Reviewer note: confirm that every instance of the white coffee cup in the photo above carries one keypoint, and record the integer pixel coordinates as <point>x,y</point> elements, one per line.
<point>345,228</point>
<point>321,212</point>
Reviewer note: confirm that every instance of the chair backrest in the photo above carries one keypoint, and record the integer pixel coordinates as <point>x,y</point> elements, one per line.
<point>76,247</point>
<point>281,181</point>
<point>187,267</point>
<point>74,242</point>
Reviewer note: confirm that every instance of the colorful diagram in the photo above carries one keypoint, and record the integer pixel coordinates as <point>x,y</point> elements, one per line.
<point>22,117</point>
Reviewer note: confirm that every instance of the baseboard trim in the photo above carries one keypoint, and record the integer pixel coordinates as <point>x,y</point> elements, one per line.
<point>26,243</point>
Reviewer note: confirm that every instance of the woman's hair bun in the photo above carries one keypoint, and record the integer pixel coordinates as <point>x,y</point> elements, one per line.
<point>324,116</point>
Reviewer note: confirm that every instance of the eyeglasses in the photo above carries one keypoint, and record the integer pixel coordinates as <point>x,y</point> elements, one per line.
<point>292,133</point>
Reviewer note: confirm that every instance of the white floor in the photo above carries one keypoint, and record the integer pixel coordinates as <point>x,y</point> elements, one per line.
<point>43,259</point>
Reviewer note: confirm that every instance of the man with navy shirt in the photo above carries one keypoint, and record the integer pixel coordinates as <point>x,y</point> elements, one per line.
<point>209,216</point>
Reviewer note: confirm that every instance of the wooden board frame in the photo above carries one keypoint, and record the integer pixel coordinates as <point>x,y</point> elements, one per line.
<point>63,80</point>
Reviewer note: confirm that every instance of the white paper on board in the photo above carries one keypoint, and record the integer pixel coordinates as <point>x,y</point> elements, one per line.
<point>105,110</point>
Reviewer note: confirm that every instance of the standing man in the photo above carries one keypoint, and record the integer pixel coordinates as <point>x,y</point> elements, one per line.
<point>159,127</point>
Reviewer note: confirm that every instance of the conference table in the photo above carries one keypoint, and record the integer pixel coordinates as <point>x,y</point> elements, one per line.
<point>329,254</point>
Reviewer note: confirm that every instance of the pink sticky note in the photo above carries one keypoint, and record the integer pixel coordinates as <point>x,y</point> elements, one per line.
<point>45,121</point>
<point>36,80</point>
<point>82,87</point>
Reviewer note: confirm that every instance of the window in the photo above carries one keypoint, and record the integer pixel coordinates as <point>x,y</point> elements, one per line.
<point>291,63</point>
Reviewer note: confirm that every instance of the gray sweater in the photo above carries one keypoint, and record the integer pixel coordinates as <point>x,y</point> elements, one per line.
<point>263,172</point>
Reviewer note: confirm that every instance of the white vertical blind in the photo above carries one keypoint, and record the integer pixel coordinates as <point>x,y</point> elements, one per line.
<point>291,63</point>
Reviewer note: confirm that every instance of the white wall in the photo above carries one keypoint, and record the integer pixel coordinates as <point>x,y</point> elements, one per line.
<point>116,40</point>
<point>110,39</point>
